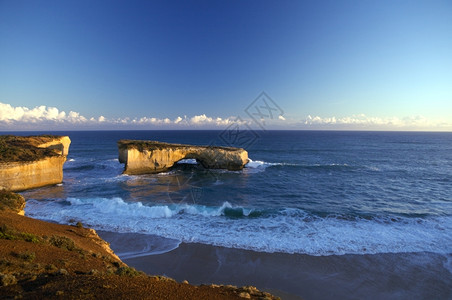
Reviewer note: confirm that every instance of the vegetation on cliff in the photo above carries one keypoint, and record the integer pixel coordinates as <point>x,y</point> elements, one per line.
<point>25,148</point>
<point>155,145</point>
<point>11,201</point>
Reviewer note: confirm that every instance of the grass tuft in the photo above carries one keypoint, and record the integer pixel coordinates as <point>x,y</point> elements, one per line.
<point>62,242</point>
<point>8,233</point>
<point>127,271</point>
<point>27,256</point>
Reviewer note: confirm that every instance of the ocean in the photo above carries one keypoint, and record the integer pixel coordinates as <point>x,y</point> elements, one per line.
<point>369,210</point>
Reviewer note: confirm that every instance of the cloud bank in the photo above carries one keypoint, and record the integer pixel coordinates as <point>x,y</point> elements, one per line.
<point>43,117</point>
<point>362,121</point>
<point>51,118</point>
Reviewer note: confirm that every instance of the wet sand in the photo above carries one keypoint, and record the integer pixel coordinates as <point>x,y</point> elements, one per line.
<point>294,276</point>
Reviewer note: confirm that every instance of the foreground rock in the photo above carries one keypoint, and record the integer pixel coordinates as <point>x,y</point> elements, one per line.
<point>40,260</point>
<point>141,157</point>
<point>31,162</point>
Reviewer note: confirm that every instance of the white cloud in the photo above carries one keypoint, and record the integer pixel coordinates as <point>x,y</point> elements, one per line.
<point>75,117</point>
<point>50,117</point>
<point>362,121</point>
<point>205,120</point>
<point>200,119</point>
<point>10,114</point>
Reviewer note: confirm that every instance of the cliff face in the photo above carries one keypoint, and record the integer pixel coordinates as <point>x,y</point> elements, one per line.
<point>141,157</point>
<point>21,175</point>
<point>59,144</point>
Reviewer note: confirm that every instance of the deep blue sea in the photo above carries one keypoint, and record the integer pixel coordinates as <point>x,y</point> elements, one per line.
<point>318,193</point>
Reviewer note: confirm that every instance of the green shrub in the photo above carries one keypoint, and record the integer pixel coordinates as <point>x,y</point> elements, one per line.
<point>8,233</point>
<point>127,271</point>
<point>27,256</point>
<point>10,200</point>
<point>62,242</point>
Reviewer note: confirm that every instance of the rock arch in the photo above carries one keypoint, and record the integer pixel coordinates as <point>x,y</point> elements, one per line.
<point>142,157</point>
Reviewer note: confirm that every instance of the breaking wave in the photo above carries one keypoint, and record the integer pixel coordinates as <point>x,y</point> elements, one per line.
<point>286,230</point>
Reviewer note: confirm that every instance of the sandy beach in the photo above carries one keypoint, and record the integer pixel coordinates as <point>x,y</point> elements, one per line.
<point>295,276</point>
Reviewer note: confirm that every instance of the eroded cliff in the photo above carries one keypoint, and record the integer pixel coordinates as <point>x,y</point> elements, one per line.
<point>141,157</point>
<point>31,162</point>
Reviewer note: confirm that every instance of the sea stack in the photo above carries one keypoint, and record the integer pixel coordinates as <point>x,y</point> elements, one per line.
<point>32,161</point>
<point>147,157</point>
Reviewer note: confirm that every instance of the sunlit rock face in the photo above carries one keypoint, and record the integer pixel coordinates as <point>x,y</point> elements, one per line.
<point>144,157</point>
<point>46,169</point>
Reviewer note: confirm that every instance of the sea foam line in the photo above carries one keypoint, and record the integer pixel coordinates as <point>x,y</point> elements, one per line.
<point>259,164</point>
<point>288,230</point>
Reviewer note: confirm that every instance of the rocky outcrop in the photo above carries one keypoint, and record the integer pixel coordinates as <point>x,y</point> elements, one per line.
<point>59,144</point>
<point>141,157</point>
<point>12,201</point>
<point>40,165</point>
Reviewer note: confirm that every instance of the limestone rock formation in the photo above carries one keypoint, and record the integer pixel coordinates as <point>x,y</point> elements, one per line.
<point>31,162</point>
<point>59,144</point>
<point>141,157</point>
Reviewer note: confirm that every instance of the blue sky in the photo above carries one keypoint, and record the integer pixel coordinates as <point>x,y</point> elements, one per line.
<point>199,64</point>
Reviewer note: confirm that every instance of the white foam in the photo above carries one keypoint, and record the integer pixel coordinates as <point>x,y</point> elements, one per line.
<point>289,230</point>
<point>259,164</point>
<point>255,164</point>
<point>218,182</point>
<point>132,245</point>
<point>118,206</point>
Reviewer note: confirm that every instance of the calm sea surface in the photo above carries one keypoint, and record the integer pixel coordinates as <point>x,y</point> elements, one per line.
<point>313,193</point>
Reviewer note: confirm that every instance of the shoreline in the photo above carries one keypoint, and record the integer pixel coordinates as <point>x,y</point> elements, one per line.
<point>415,275</point>
<point>39,259</point>
<point>298,276</point>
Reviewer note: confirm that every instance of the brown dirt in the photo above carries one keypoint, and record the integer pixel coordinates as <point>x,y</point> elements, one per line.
<point>46,264</point>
